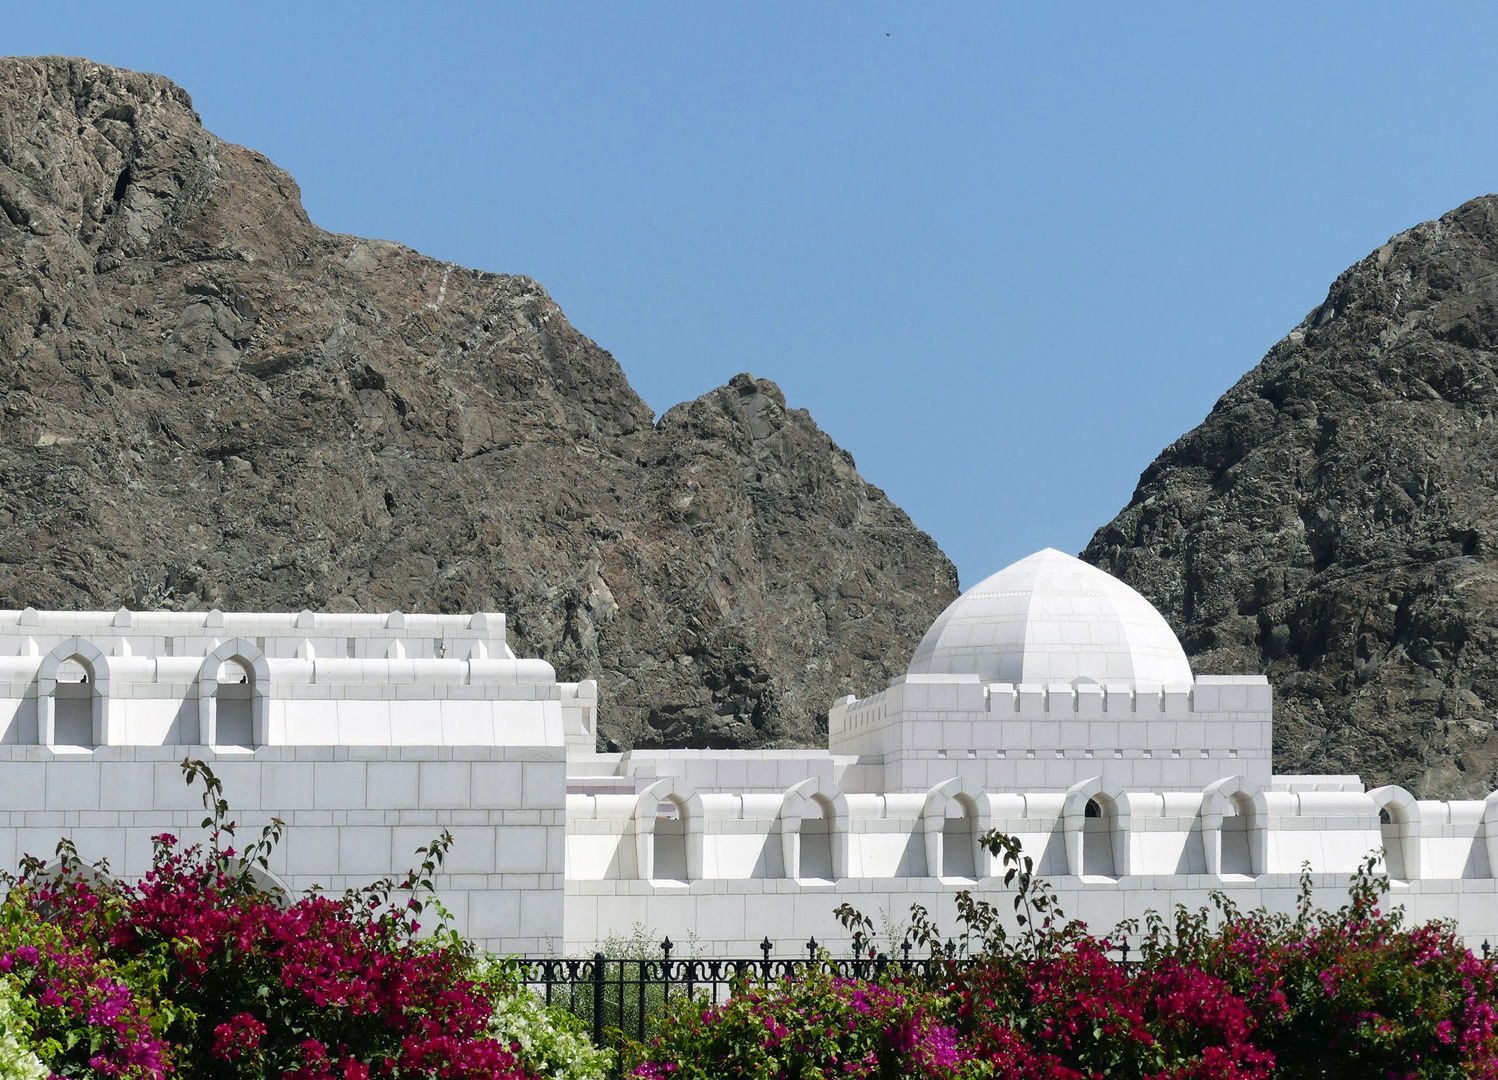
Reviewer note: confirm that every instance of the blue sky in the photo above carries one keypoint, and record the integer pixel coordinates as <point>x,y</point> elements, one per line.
<point>1004,253</point>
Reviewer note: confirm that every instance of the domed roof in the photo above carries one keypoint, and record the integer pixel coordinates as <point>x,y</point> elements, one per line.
<point>1052,618</point>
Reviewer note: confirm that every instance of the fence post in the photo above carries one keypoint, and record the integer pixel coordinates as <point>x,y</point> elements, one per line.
<point>598,963</point>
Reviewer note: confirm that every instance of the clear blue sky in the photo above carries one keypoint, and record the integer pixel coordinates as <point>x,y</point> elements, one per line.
<point>1004,253</point>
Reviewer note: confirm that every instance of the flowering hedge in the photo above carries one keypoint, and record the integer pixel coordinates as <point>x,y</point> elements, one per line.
<point>1228,996</point>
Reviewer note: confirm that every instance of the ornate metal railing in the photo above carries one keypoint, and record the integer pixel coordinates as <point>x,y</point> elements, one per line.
<point>633,995</point>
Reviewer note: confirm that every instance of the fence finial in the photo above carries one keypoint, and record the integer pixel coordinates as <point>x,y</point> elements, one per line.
<point>666,948</point>
<point>765,947</point>
<point>811,949</point>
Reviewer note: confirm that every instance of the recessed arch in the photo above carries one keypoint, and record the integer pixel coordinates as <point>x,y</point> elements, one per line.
<point>72,696</point>
<point>1401,833</point>
<point>955,817</point>
<point>232,701</point>
<point>1233,815</point>
<point>668,832</point>
<point>814,830</point>
<point>1096,845</point>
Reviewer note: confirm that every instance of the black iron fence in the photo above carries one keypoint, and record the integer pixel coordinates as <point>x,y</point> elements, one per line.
<point>633,995</point>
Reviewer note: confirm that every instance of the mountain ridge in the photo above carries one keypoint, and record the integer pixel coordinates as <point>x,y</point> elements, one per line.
<point>208,401</point>
<point>1334,520</point>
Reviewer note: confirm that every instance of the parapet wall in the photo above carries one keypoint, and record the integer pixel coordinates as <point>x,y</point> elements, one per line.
<point>1036,736</point>
<point>74,681</point>
<point>735,867</point>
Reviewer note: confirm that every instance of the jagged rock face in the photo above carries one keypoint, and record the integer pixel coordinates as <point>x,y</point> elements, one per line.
<point>210,402</point>
<point>1333,522</point>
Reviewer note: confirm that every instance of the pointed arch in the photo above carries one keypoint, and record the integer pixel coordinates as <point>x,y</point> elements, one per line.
<point>660,849</point>
<point>82,711</point>
<point>952,840</point>
<point>823,847</point>
<point>248,656</point>
<point>1401,834</point>
<point>1234,814</point>
<point>1095,821</point>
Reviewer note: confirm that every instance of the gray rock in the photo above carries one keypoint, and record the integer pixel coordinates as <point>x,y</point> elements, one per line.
<point>208,401</point>
<point>1334,524</point>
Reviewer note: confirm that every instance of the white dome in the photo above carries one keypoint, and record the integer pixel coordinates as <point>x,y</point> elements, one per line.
<point>1052,618</point>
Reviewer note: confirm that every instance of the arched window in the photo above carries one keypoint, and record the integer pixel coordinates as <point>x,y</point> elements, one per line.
<point>232,696</point>
<point>1399,827</point>
<point>958,842</point>
<point>1095,826</point>
<point>956,815</point>
<point>1097,837</point>
<point>73,711</point>
<point>73,697</point>
<point>1237,857</point>
<point>1233,838</point>
<point>668,833</point>
<point>814,831</point>
<point>816,839</point>
<point>670,862</point>
<point>233,699</point>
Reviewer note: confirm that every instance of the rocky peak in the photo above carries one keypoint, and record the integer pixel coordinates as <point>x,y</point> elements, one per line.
<point>1334,520</point>
<point>208,401</point>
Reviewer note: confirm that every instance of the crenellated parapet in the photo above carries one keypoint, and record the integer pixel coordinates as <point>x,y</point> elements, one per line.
<point>1047,735</point>
<point>74,681</point>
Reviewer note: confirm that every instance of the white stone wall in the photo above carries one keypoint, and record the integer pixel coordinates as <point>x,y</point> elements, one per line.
<point>886,850</point>
<point>355,814</point>
<point>730,918</point>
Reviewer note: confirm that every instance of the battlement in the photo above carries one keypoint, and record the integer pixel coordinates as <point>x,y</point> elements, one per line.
<point>304,635</point>
<point>75,681</point>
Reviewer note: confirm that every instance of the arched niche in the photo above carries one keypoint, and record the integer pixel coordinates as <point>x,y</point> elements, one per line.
<point>1233,816</point>
<point>1399,825</point>
<point>814,831</point>
<point>72,696</point>
<point>955,817</point>
<point>232,701</point>
<point>668,832</point>
<point>1095,822</point>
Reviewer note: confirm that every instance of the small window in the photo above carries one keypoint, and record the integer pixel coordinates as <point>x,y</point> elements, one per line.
<point>171,646</point>
<point>1093,809</point>
<point>439,648</point>
<point>260,643</point>
<point>349,648</point>
<point>670,843</point>
<point>235,705</point>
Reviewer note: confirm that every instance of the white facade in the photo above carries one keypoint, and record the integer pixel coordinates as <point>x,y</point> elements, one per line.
<point>367,734</point>
<point>1050,701</point>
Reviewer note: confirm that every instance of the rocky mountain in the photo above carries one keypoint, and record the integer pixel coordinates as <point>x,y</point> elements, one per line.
<point>1334,521</point>
<point>210,402</point>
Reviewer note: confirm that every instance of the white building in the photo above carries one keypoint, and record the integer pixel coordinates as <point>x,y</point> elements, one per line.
<point>1050,701</point>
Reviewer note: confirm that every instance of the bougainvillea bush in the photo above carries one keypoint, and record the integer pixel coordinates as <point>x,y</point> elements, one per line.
<point>196,970</point>
<point>1221,995</point>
